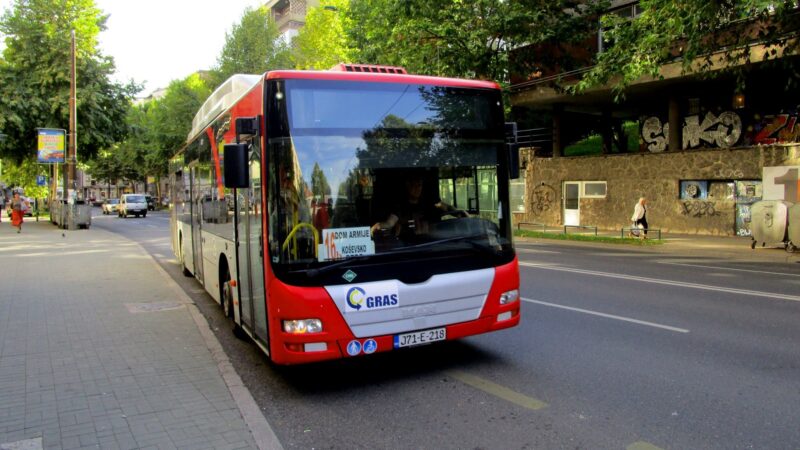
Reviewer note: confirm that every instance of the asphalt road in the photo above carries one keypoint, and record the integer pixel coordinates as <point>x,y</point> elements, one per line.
<point>619,347</point>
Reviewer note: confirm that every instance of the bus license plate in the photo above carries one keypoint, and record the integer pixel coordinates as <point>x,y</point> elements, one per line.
<point>419,337</point>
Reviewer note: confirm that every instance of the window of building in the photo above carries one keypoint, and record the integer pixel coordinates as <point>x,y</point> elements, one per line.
<point>594,189</point>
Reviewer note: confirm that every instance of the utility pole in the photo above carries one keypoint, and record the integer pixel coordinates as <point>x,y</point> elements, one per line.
<point>70,179</point>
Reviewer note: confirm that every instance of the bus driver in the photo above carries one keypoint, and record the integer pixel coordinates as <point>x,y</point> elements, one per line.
<point>413,214</point>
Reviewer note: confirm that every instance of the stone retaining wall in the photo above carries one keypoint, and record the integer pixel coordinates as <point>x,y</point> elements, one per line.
<point>656,176</point>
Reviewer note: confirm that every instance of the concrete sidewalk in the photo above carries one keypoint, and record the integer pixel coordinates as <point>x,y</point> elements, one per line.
<point>98,349</point>
<point>690,245</point>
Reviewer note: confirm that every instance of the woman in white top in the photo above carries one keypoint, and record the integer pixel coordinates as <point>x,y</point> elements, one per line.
<point>639,216</point>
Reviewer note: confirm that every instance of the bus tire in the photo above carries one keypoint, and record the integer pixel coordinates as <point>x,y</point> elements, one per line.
<point>186,272</point>
<point>225,289</point>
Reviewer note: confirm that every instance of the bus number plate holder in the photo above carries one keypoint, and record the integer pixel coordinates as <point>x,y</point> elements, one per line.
<point>420,337</point>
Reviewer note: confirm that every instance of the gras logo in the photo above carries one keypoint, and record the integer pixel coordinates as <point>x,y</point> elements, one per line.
<point>355,298</point>
<point>367,297</point>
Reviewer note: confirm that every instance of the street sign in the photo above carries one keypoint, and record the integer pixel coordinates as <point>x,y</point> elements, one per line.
<point>41,180</point>
<point>51,145</point>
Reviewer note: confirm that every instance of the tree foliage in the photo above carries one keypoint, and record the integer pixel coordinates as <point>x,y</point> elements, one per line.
<point>462,38</point>
<point>323,42</point>
<point>24,175</point>
<point>704,37</point>
<point>158,128</point>
<point>35,78</point>
<point>253,46</point>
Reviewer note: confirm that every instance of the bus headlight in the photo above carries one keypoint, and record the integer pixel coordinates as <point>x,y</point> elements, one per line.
<point>302,326</point>
<point>509,297</point>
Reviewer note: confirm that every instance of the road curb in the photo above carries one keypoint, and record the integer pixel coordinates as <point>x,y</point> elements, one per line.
<point>262,432</point>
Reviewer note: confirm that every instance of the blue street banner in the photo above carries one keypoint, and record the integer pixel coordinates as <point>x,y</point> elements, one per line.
<point>50,145</point>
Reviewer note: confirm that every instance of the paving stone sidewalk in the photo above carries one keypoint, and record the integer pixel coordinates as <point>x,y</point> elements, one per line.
<point>97,351</point>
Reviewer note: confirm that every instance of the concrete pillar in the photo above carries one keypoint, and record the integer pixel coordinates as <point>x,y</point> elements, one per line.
<point>607,131</point>
<point>675,125</point>
<point>558,113</point>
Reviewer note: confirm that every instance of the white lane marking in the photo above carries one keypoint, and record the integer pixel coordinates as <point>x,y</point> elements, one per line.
<point>622,255</point>
<point>705,287</point>
<point>534,250</point>
<point>608,316</point>
<point>730,268</point>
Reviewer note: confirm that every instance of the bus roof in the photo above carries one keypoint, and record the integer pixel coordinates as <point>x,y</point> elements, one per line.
<point>379,78</point>
<point>225,96</point>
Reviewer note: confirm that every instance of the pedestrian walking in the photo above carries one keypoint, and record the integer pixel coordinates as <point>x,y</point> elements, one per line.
<point>2,204</point>
<point>639,218</point>
<point>17,206</point>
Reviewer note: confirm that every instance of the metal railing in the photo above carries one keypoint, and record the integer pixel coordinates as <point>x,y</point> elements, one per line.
<point>641,231</point>
<point>533,137</point>
<point>581,227</point>
<point>564,228</point>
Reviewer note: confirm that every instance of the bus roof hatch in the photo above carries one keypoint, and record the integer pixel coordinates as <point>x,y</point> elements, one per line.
<point>368,68</point>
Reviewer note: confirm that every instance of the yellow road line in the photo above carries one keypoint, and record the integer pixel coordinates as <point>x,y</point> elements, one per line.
<point>642,445</point>
<point>497,390</point>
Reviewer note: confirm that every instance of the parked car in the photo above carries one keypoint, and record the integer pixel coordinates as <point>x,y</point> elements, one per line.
<point>151,203</point>
<point>134,204</point>
<point>110,206</point>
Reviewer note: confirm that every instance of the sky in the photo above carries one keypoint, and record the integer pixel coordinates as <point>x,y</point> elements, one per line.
<point>156,41</point>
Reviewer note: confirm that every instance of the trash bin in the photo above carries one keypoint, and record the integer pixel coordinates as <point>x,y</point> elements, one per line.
<point>76,215</point>
<point>81,215</point>
<point>768,222</point>
<point>793,233</point>
<point>55,211</point>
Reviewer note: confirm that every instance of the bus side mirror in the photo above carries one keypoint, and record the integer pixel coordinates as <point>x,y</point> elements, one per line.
<point>513,160</point>
<point>236,166</point>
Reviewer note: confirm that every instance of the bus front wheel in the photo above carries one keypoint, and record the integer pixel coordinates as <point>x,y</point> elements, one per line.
<point>186,272</point>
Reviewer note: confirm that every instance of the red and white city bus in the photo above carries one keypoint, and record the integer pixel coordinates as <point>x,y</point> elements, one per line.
<point>350,211</point>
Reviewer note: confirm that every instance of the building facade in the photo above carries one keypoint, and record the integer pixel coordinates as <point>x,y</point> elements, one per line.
<point>701,150</point>
<point>290,15</point>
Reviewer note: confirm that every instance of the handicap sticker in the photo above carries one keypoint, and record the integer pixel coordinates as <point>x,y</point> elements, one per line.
<point>354,348</point>
<point>370,346</point>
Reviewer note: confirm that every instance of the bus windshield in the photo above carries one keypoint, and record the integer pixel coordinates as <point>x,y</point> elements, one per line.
<point>383,172</point>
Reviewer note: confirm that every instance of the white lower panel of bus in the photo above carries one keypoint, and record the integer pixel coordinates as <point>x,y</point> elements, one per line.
<point>391,307</point>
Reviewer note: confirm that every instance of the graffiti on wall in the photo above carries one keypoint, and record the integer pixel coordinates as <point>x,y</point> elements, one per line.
<point>721,131</point>
<point>655,134</point>
<point>543,198</point>
<point>774,129</point>
<point>699,209</point>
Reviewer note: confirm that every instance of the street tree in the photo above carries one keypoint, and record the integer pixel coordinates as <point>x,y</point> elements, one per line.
<point>323,42</point>
<point>157,129</point>
<point>708,38</point>
<point>253,46</point>
<point>35,77</point>
<point>464,39</point>
<point>23,175</point>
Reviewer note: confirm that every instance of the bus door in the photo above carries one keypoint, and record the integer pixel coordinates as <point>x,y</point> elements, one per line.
<point>251,252</point>
<point>196,194</point>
